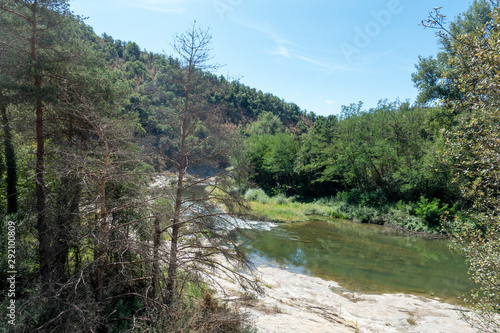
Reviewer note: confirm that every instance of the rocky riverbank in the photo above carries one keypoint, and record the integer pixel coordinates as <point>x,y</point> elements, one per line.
<point>299,303</point>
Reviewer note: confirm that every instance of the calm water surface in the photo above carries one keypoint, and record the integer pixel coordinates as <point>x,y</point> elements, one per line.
<point>364,258</point>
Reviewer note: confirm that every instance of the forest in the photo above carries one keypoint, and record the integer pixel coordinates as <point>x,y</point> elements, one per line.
<point>120,168</point>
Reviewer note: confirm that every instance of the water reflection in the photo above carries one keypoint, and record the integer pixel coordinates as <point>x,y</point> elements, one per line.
<point>364,258</point>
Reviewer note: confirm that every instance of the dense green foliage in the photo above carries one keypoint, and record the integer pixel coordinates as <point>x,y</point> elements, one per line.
<point>85,121</point>
<point>390,150</point>
<point>436,77</point>
<point>474,152</point>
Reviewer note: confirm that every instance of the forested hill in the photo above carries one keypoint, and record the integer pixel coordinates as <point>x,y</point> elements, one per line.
<point>387,150</point>
<point>149,77</point>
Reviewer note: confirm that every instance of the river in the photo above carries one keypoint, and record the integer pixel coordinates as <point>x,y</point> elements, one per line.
<point>363,258</point>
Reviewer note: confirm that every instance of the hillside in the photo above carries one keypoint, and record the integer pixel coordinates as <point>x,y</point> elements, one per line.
<point>149,77</point>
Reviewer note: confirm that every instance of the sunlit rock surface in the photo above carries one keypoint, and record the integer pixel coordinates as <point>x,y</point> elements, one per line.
<point>299,303</point>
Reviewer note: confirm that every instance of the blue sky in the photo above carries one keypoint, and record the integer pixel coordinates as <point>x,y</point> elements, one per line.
<point>319,54</point>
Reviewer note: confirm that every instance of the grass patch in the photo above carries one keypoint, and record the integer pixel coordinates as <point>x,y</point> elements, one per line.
<point>271,211</point>
<point>286,209</point>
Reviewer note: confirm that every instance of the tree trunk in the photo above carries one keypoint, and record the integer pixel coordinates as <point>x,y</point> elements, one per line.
<point>155,273</point>
<point>69,205</point>
<point>42,226</point>
<point>102,247</point>
<point>181,170</point>
<point>10,159</point>
<point>101,258</point>
<point>174,243</point>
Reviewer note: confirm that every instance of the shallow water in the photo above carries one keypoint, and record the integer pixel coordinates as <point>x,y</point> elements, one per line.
<point>363,258</point>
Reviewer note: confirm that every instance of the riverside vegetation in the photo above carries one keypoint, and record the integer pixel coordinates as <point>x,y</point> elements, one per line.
<point>88,122</point>
<point>422,216</point>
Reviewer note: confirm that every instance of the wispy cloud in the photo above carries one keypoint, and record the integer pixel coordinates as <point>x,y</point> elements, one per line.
<point>288,49</point>
<point>282,51</point>
<point>371,58</point>
<point>265,28</point>
<point>164,6</point>
<point>329,65</point>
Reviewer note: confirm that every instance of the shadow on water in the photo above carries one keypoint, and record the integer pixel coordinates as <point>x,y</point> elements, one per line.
<point>363,258</point>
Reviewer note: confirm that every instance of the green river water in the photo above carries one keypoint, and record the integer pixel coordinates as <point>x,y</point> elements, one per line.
<point>364,258</point>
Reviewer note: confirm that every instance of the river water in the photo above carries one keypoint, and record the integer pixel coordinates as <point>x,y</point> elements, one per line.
<point>363,258</point>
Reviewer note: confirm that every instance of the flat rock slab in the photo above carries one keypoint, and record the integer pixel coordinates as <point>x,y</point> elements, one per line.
<point>299,303</point>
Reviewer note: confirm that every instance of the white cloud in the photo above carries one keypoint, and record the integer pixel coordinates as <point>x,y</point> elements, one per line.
<point>282,51</point>
<point>329,102</point>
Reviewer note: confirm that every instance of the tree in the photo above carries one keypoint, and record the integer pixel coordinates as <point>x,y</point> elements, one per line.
<point>84,162</point>
<point>435,78</point>
<point>473,150</point>
<point>197,228</point>
<point>316,160</point>
<point>42,34</point>
<point>110,177</point>
<point>7,71</point>
<point>272,158</point>
<point>132,52</point>
<point>430,80</point>
<point>10,159</point>
<point>267,123</point>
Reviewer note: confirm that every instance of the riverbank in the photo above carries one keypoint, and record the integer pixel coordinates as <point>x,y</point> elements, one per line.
<point>298,303</point>
<point>420,218</point>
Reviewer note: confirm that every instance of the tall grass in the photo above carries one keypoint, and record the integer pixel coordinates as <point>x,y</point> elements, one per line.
<point>285,209</point>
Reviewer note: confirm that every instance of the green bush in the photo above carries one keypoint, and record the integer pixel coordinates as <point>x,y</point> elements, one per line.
<point>281,199</point>
<point>361,198</point>
<point>407,221</point>
<point>258,195</point>
<point>431,211</point>
<point>313,210</point>
<point>365,214</point>
<point>406,207</point>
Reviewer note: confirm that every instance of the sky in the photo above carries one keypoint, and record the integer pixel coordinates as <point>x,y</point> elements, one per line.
<point>318,54</point>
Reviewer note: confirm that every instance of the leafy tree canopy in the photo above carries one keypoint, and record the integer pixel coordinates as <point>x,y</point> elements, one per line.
<point>435,77</point>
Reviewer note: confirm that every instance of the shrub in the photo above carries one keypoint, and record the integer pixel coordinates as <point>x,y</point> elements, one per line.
<point>407,221</point>
<point>431,211</point>
<point>281,199</point>
<point>365,214</point>
<point>406,207</point>
<point>313,210</point>
<point>258,195</point>
<point>361,198</point>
